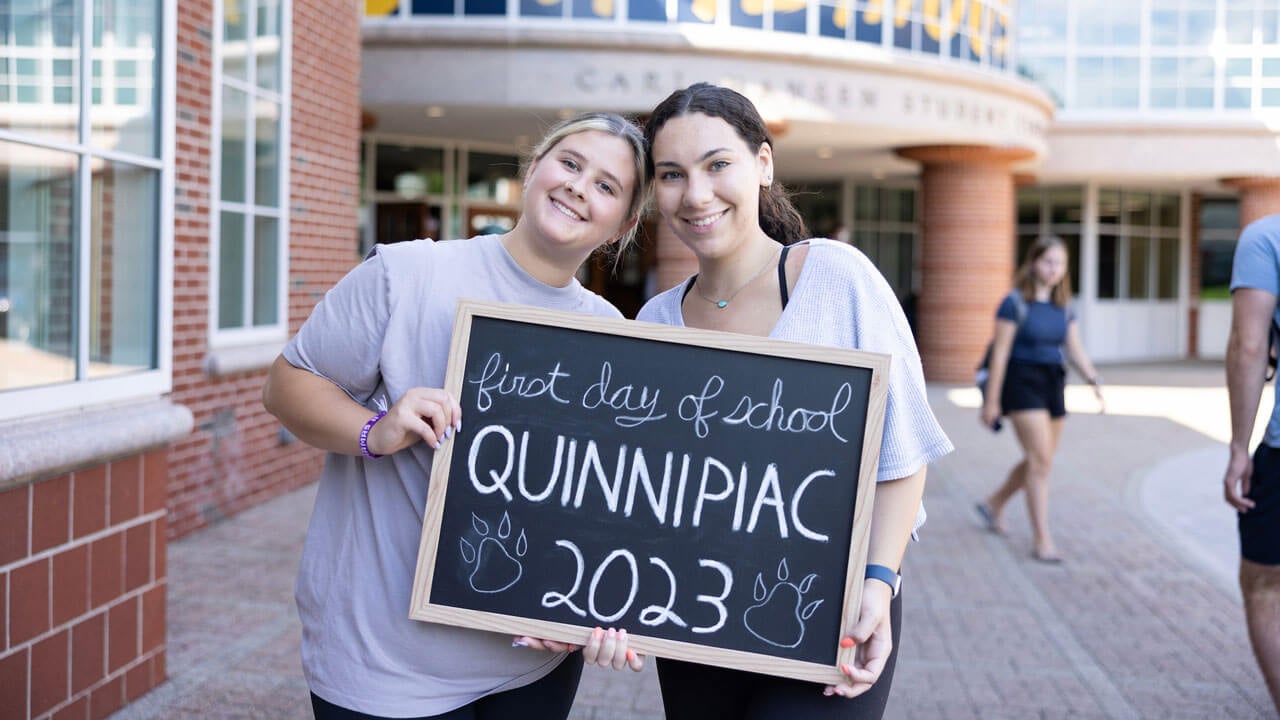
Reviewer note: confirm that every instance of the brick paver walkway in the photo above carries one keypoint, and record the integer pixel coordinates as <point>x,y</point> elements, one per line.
<point>1142,621</point>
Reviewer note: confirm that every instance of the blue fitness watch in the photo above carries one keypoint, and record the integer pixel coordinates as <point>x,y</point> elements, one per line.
<point>886,576</point>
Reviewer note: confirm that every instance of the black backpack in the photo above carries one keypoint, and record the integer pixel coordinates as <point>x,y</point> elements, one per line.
<point>1272,350</point>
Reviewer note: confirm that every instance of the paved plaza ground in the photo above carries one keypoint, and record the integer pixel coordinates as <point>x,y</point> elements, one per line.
<point>1143,620</point>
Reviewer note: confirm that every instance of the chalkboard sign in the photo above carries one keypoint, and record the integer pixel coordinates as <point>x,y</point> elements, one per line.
<point>709,492</point>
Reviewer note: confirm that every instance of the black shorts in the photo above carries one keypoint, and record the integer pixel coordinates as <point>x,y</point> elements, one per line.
<point>1260,527</point>
<point>1034,386</point>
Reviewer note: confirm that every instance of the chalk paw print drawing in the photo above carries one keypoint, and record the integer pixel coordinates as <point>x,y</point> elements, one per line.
<point>777,617</point>
<point>495,566</point>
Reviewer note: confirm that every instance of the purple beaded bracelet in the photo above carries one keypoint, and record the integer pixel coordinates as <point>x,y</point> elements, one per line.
<point>364,435</point>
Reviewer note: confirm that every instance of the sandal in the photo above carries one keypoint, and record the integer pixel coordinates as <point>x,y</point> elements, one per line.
<point>989,518</point>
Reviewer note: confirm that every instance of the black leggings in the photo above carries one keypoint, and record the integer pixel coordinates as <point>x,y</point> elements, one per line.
<point>548,697</point>
<point>702,692</point>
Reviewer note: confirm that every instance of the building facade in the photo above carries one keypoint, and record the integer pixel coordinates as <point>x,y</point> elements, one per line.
<point>1143,132</point>
<point>183,180</point>
<point>178,188</point>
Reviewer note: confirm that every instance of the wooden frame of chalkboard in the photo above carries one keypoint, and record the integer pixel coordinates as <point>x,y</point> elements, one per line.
<point>710,492</point>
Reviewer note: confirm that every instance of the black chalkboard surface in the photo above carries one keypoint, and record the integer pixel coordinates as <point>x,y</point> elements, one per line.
<point>709,492</point>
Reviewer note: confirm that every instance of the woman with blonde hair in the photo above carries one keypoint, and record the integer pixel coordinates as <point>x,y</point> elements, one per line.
<point>1035,324</point>
<point>363,379</point>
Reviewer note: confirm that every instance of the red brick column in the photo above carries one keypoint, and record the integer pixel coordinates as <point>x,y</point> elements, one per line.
<point>1259,197</point>
<point>967,252</point>
<point>83,555</point>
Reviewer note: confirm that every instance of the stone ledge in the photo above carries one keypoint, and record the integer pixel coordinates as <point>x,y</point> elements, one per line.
<point>36,447</point>
<point>243,358</point>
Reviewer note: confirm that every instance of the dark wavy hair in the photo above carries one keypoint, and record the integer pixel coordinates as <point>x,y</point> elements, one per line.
<point>779,219</point>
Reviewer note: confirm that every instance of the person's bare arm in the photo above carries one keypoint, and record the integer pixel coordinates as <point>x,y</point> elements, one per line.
<point>892,518</point>
<point>322,415</point>
<point>1251,313</point>
<point>1001,346</point>
<point>1080,359</point>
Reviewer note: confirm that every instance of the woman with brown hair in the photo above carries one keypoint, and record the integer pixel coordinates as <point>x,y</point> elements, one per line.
<point>1035,324</point>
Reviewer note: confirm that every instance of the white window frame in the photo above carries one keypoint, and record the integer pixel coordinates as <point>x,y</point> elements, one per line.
<point>276,333</point>
<point>83,393</point>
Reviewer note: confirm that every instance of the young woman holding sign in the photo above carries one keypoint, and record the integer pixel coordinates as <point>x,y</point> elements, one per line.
<point>362,379</point>
<point>758,273</point>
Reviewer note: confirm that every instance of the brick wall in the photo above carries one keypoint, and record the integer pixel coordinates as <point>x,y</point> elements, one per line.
<point>82,589</point>
<point>235,458</point>
<point>1259,197</point>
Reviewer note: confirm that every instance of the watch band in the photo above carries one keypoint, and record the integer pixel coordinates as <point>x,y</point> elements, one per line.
<point>886,576</point>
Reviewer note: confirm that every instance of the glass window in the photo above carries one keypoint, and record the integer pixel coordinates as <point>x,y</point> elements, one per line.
<point>123,284</point>
<point>1239,24</point>
<point>1109,207</point>
<point>80,233</point>
<point>493,176</point>
<point>248,243</point>
<point>1106,82</point>
<point>1108,246</point>
<point>885,229</point>
<point>127,120</point>
<point>1164,26</point>
<point>38,287</point>
<point>1137,209</point>
<point>1269,26</point>
<point>1028,207</point>
<point>1103,22</point>
<point>542,8</point>
<point>1168,211</point>
<point>267,47</point>
<point>1219,226</point>
<point>593,9</point>
<point>1139,261</point>
<point>1237,93</point>
<point>1167,268</point>
<point>408,171</point>
<point>819,205</point>
<point>654,10</point>
<point>866,205</point>
<point>1066,205</point>
<point>30,30</point>
<point>1048,72</point>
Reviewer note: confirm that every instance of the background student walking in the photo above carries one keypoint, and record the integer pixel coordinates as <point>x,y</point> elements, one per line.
<point>1251,485</point>
<point>363,380</point>
<point>1034,325</point>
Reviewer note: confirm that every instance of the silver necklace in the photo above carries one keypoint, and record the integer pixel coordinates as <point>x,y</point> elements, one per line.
<point>722,304</point>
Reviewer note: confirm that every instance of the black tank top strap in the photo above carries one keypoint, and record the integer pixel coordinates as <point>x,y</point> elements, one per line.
<point>688,287</point>
<point>782,274</point>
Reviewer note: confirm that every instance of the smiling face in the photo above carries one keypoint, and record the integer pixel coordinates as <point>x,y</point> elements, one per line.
<point>579,194</point>
<point>707,183</point>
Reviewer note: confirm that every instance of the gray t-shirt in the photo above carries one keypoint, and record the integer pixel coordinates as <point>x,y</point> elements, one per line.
<point>842,300</point>
<point>1256,264</point>
<point>383,329</point>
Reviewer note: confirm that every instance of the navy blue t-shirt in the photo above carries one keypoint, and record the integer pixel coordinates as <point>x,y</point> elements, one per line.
<point>1042,333</point>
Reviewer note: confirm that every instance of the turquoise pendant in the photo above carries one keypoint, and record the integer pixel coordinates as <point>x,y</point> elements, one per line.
<point>722,304</point>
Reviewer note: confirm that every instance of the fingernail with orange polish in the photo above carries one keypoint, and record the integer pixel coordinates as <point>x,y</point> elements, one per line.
<point>847,642</point>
